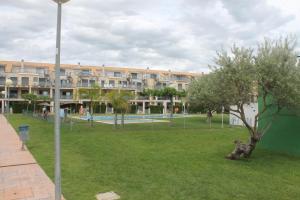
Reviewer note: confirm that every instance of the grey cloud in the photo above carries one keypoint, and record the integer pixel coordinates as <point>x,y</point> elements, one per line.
<point>177,35</point>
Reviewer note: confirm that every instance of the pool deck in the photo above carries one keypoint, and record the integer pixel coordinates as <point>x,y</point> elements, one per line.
<point>21,177</point>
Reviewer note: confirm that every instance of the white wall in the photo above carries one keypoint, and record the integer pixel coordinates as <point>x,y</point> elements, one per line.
<point>250,111</point>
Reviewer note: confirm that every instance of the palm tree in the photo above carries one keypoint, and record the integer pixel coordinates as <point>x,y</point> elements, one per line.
<point>94,95</point>
<point>120,103</point>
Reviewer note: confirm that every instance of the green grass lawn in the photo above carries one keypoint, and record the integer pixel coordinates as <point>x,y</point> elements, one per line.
<point>159,162</point>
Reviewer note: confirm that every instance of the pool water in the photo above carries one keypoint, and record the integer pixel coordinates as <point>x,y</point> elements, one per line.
<point>132,117</point>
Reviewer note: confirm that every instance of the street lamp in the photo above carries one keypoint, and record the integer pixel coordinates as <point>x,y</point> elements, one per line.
<point>8,83</point>
<point>57,102</point>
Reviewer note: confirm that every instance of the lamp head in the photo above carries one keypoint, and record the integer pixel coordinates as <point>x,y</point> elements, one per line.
<point>8,82</point>
<point>61,1</point>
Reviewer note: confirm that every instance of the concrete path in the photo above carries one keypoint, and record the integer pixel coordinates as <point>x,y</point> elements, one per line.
<point>21,178</point>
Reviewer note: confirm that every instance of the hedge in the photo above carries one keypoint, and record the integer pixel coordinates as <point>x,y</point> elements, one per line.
<point>156,109</point>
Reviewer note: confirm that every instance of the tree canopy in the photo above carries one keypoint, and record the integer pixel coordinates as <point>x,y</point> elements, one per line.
<point>93,95</point>
<point>120,102</point>
<point>272,72</point>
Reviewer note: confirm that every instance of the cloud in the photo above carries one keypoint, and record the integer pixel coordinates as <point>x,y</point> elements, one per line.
<point>170,34</point>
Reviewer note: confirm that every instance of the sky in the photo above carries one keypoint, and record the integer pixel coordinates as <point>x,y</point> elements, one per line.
<point>178,35</point>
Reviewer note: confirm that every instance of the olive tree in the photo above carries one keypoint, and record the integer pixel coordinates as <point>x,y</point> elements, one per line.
<point>202,93</point>
<point>272,71</point>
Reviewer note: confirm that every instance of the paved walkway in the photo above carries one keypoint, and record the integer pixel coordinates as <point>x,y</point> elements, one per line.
<point>21,178</point>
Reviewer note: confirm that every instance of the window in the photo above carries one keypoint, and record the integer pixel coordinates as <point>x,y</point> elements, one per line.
<point>14,80</point>
<point>35,79</point>
<point>85,72</point>
<point>124,83</point>
<point>102,83</point>
<point>40,70</point>
<point>154,76</point>
<point>43,93</point>
<point>2,68</point>
<point>25,81</point>
<point>111,83</point>
<point>117,74</point>
<point>180,86</point>
<point>42,80</point>
<point>138,85</point>
<point>2,80</point>
<point>62,72</point>
<point>13,93</point>
<point>134,75</point>
<point>85,82</point>
<point>92,82</point>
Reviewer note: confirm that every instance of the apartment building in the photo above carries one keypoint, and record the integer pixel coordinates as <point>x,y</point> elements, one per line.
<point>38,78</point>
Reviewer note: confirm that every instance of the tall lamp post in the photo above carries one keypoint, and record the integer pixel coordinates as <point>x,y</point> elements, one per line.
<point>57,102</point>
<point>3,104</point>
<point>8,83</point>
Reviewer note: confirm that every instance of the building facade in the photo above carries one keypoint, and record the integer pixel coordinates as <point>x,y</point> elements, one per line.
<point>38,78</point>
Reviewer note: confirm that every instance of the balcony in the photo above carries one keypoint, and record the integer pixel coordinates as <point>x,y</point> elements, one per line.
<point>25,84</point>
<point>129,87</point>
<point>164,79</point>
<point>41,96</point>
<point>85,73</point>
<point>183,79</point>
<point>66,85</point>
<point>44,84</point>
<point>83,85</point>
<point>66,97</point>
<point>13,95</point>
<point>24,70</point>
<point>115,75</point>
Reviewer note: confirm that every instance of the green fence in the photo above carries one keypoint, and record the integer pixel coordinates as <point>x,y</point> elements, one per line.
<point>284,133</point>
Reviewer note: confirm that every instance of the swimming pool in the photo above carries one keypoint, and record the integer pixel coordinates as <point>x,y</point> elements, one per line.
<point>131,117</point>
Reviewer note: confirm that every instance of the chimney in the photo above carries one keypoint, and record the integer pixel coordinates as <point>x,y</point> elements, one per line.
<point>22,65</point>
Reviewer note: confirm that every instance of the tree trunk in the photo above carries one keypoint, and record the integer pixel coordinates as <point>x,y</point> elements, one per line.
<point>123,119</point>
<point>116,120</point>
<point>243,150</point>
<point>91,120</point>
<point>209,117</point>
<point>91,113</point>
<point>171,99</point>
<point>171,114</point>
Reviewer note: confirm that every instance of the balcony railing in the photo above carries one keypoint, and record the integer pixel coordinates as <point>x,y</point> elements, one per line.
<point>186,79</point>
<point>83,85</point>
<point>44,84</point>
<point>66,97</point>
<point>66,85</point>
<point>43,96</point>
<point>129,87</point>
<point>25,84</point>
<point>85,74</point>
<point>13,96</point>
